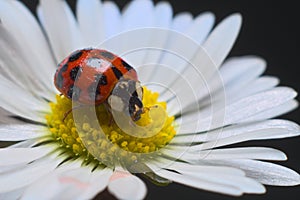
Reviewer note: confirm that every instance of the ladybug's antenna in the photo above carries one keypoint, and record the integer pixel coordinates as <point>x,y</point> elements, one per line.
<point>147,109</point>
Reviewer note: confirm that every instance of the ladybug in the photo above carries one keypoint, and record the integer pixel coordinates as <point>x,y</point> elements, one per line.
<point>96,76</point>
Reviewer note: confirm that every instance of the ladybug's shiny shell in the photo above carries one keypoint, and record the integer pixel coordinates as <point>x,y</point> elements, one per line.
<point>89,75</point>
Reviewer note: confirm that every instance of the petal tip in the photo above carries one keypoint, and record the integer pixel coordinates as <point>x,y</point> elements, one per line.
<point>237,17</point>
<point>235,20</point>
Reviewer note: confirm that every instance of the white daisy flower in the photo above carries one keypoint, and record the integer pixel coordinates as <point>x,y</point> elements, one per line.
<point>197,103</point>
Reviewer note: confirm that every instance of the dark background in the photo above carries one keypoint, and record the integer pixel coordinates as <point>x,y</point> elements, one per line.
<point>269,30</point>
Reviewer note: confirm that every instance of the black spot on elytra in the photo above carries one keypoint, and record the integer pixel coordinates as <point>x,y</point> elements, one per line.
<point>74,93</point>
<point>59,78</point>
<point>126,65</point>
<point>75,72</point>
<point>64,68</point>
<point>117,72</point>
<point>94,89</point>
<point>101,79</point>
<point>107,54</point>
<point>75,56</point>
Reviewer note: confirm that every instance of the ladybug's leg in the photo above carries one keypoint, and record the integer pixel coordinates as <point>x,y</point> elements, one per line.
<point>69,111</point>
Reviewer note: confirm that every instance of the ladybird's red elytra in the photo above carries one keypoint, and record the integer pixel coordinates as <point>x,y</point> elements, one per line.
<point>96,72</point>
<point>89,76</point>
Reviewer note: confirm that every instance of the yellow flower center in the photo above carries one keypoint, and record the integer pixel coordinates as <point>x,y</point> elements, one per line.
<point>105,139</point>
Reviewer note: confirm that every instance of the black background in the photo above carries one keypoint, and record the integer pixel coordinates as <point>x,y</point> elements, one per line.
<point>269,30</point>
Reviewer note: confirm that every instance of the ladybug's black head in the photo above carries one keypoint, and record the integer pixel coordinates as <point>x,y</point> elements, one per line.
<point>127,97</point>
<point>135,108</point>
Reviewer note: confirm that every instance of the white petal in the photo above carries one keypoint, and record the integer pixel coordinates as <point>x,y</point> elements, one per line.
<point>129,44</point>
<point>36,41</point>
<point>235,67</point>
<point>206,124</point>
<point>274,112</point>
<point>69,183</point>
<point>27,106</point>
<point>207,60</point>
<point>162,21</point>
<point>6,119</point>
<point>246,109</point>
<point>17,65</point>
<point>126,186</point>
<point>12,156</point>
<point>264,172</point>
<point>174,58</point>
<point>258,85</point>
<point>27,175</point>
<point>137,14</point>
<point>200,183</point>
<point>180,48</point>
<point>61,27</point>
<point>235,73</point>
<point>144,45</point>
<point>221,40</point>
<point>182,21</point>
<point>40,190</point>
<point>15,194</point>
<point>39,58</point>
<point>26,96</point>
<point>157,165</point>
<point>17,132</point>
<point>99,181</point>
<point>5,169</point>
<point>258,103</point>
<point>24,144</point>
<point>176,42</point>
<point>205,63</point>
<point>201,27</point>
<point>20,107</point>
<point>280,130</point>
<point>270,129</point>
<point>112,19</point>
<point>91,23</point>
<point>7,56</point>
<point>163,15</point>
<point>181,84</point>
<point>259,153</point>
<point>219,175</point>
